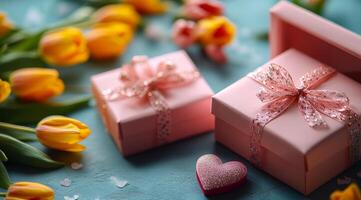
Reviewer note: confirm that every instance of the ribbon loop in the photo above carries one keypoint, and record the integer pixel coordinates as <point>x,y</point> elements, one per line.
<point>279,92</point>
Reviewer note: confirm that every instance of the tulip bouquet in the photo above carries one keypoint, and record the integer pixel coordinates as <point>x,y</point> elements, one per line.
<point>55,132</point>
<point>202,22</point>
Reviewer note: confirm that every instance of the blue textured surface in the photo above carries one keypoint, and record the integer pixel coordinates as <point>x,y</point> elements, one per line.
<point>167,172</point>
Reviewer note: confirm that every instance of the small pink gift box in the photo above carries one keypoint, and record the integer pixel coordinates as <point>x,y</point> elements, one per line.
<point>294,27</point>
<point>304,157</point>
<point>134,123</point>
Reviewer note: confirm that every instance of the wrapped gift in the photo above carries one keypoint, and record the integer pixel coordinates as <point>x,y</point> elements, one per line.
<point>294,117</point>
<point>294,27</point>
<point>150,102</point>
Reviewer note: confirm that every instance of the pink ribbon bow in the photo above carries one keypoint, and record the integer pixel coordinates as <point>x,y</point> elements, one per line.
<point>139,80</point>
<point>279,93</point>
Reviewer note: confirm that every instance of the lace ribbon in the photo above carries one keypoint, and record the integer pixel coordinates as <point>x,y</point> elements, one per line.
<point>279,93</point>
<point>138,80</point>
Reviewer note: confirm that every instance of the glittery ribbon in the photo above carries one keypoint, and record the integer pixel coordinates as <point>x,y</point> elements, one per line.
<point>138,80</point>
<point>279,93</point>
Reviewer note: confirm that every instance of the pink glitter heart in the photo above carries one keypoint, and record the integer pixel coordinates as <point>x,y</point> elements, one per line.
<point>216,177</point>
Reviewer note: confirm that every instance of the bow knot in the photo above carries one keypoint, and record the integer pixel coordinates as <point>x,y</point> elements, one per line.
<point>139,79</point>
<point>279,92</point>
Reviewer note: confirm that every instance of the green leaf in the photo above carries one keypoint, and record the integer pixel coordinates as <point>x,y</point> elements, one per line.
<point>22,153</point>
<point>23,133</point>
<point>18,112</point>
<point>3,156</point>
<point>28,43</point>
<point>316,6</point>
<point>4,177</point>
<point>16,60</point>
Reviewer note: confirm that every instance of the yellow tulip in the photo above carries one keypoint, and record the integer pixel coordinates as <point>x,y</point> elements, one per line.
<point>62,133</point>
<point>4,90</point>
<point>121,13</point>
<point>36,84</point>
<point>148,6</point>
<point>216,31</point>
<point>352,192</point>
<point>29,190</point>
<point>5,25</point>
<point>108,40</point>
<point>64,47</point>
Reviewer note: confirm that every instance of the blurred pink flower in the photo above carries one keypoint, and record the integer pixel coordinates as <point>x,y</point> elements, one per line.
<point>183,33</point>
<point>216,53</point>
<point>199,9</point>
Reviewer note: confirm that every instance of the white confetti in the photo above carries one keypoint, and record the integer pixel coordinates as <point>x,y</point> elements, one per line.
<point>76,165</point>
<point>66,182</point>
<point>118,183</point>
<point>33,17</point>
<point>75,197</point>
<point>155,32</point>
<point>344,180</point>
<point>63,8</point>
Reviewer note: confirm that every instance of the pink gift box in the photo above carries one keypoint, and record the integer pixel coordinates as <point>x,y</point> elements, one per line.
<point>301,156</point>
<point>132,122</point>
<point>294,27</point>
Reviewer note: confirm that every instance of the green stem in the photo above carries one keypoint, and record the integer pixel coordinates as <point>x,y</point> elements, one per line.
<point>3,194</point>
<point>17,127</point>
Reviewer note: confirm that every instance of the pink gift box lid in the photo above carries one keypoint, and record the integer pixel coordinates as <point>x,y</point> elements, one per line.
<point>130,112</point>
<point>295,27</point>
<point>289,136</point>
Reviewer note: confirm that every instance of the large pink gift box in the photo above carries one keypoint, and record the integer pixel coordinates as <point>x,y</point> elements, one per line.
<point>294,27</point>
<point>292,151</point>
<point>133,122</point>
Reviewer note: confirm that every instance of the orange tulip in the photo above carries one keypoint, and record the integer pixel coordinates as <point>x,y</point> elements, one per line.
<point>121,13</point>
<point>149,6</point>
<point>64,47</point>
<point>29,190</point>
<point>4,90</point>
<point>5,25</point>
<point>36,84</point>
<point>352,192</point>
<point>62,133</point>
<point>108,40</point>
<point>216,31</point>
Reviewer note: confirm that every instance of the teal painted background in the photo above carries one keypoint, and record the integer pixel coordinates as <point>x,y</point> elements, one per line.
<point>167,172</point>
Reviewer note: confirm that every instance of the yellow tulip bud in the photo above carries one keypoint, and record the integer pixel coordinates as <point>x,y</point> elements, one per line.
<point>4,90</point>
<point>352,192</point>
<point>108,40</point>
<point>29,190</point>
<point>121,13</point>
<point>64,47</point>
<point>62,133</point>
<point>216,31</point>
<point>149,6</point>
<point>36,84</point>
<point>5,25</point>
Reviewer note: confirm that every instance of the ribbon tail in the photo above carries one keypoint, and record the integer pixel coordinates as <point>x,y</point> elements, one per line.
<point>269,112</point>
<point>162,109</point>
<point>354,129</point>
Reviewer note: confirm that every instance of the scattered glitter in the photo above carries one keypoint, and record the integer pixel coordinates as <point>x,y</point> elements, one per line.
<point>75,197</point>
<point>118,183</point>
<point>66,182</point>
<point>344,181</point>
<point>76,165</point>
